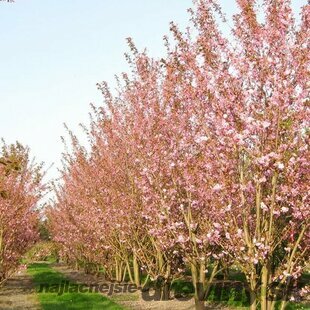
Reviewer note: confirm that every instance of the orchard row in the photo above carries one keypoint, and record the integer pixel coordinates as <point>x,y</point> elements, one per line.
<point>199,161</point>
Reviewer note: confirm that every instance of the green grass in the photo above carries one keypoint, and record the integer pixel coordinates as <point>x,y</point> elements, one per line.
<point>42,273</point>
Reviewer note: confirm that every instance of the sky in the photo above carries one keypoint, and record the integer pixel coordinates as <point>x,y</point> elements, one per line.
<point>53,52</point>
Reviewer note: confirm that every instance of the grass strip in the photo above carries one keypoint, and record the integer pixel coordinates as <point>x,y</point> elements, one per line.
<point>51,299</point>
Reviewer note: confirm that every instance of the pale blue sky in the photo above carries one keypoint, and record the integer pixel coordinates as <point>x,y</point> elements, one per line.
<point>53,53</point>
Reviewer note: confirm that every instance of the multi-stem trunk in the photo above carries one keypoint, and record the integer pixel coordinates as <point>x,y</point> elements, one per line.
<point>119,270</point>
<point>199,282</point>
<point>164,282</point>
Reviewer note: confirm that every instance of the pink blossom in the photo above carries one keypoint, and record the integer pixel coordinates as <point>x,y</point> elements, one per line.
<point>217,187</point>
<point>266,124</point>
<point>264,207</point>
<point>284,209</point>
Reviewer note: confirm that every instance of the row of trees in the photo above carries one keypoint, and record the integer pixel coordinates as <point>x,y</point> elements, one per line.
<point>200,161</point>
<point>20,191</point>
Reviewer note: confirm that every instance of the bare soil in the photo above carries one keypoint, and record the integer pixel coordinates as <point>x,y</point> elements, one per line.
<point>18,293</point>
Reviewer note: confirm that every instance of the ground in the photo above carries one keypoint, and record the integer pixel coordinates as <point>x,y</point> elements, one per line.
<point>17,293</point>
<point>132,301</point>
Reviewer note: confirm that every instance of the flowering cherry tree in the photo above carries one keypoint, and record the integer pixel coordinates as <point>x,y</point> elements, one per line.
<point>200,160</point>
<point>262,121</point>
<point>20,190</point>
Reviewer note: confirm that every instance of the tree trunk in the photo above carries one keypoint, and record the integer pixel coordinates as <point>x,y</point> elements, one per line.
<point>199,304</point>
<point>252,301</point>
<point>131,279</point>
<point>165,291</point>
<point>124,273</point>
<point>116,270</point>
<point>136,271</point>
<point>283,305</point>
<point>198,278</point>
<point>162,289</point>
<point>120,272</point>
<point>263,292</point>
<point>253,304</point>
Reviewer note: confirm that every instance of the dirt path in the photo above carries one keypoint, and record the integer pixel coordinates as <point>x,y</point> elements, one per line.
<point>132,301</point>
<point>17,293</point>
